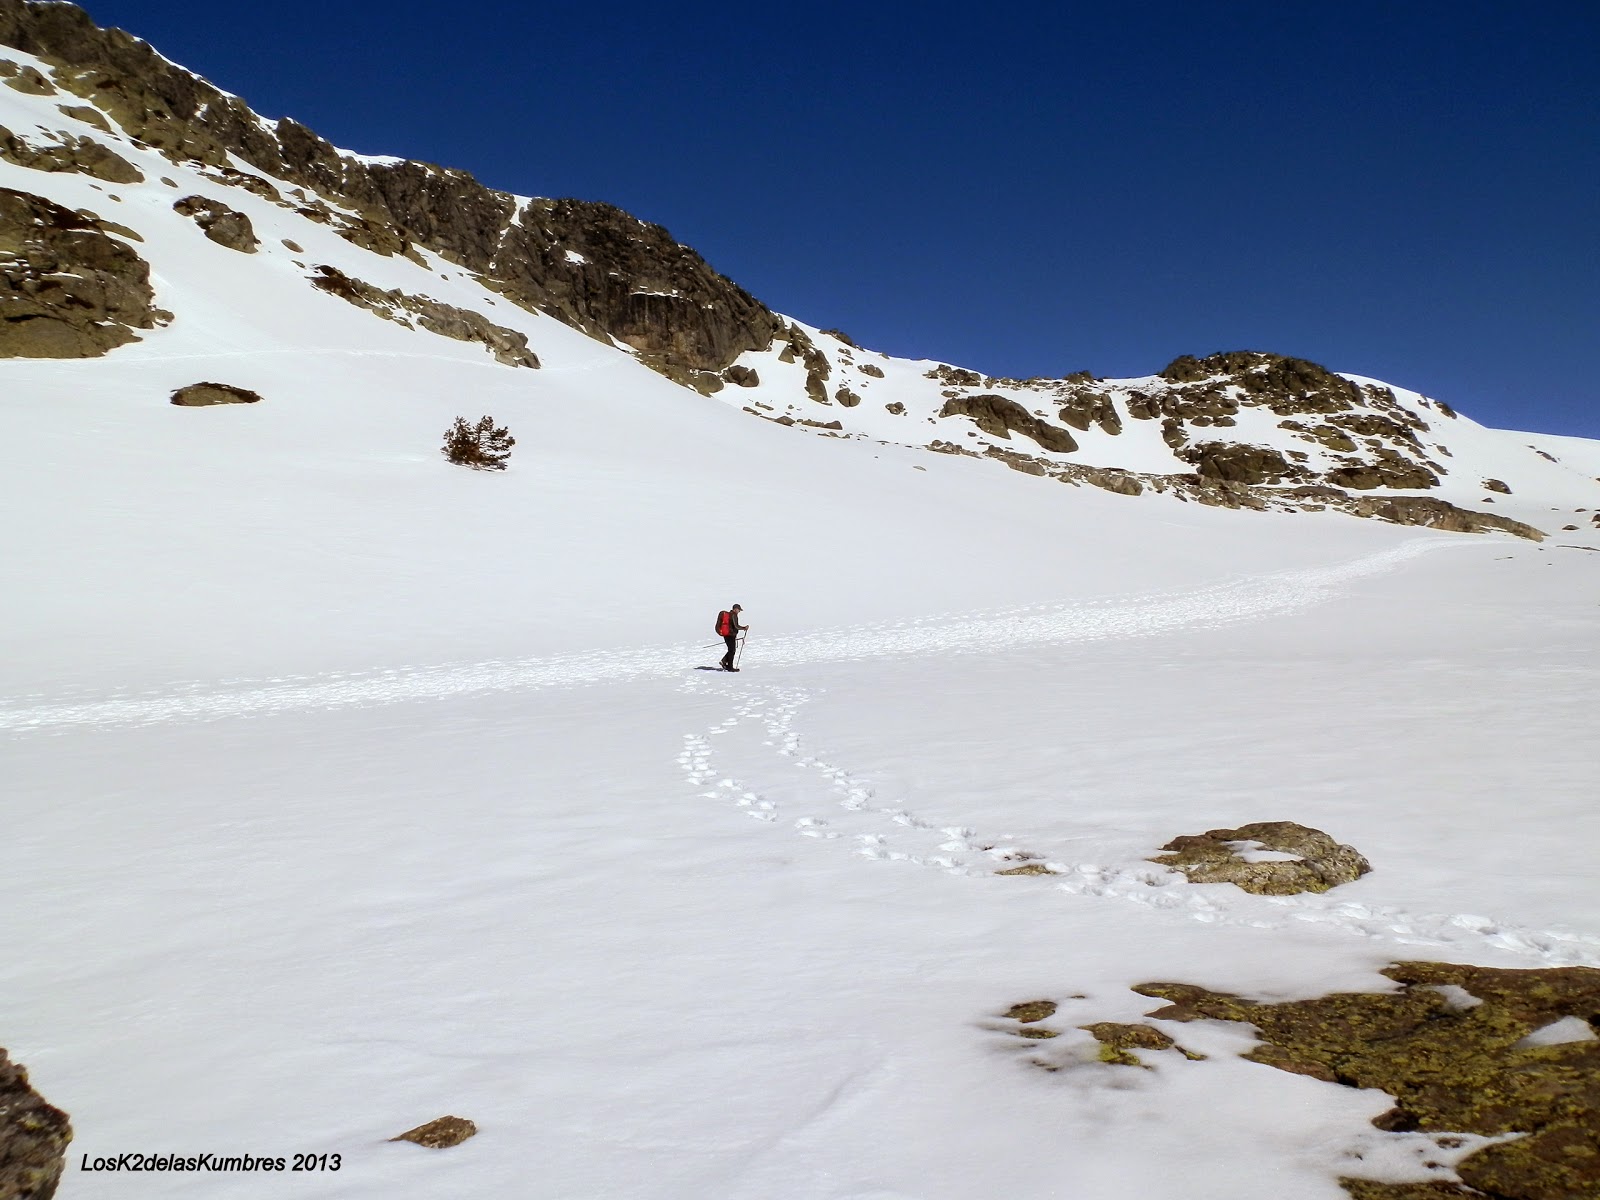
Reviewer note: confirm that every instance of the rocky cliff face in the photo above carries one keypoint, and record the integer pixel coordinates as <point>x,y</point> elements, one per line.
<point>590,265</point>
<point>68,287</point>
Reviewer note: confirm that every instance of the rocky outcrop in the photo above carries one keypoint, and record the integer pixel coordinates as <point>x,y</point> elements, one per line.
<point>220,223</point>
<point>439,1133</point>
<point>1083,408</point>
<point>591,265</point>
<point>33,1137</point>
<point>1436,514</point>
<point>1234,462</point>
<point>1000,417</point>
<point>25,79</point>
<point>68,289</point>
<point>507,345</point>
<point>1462,1050</point>
<point>205,394</point>
<point>1268,858</point>
<point>68,153</point>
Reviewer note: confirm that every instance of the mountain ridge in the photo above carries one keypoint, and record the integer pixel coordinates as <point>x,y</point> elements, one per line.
<point>1239,429</point>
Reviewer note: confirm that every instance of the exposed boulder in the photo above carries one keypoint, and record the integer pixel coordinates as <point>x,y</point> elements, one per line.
<point>870,369</point>
<point>1268,858</point>
<point>25,79</point>
<point>205,394</point>
<point>1455,1048</point>
<point>845,397</point>
<point>66,152</point>
<point>439,1134</point>
<point>1000,417</point>
<point>68,289</point>
<point>742,376</point>
<point>88,115</point>
<point>1083,408</point>
<point>33,1137</point>
<point>1497,485</point>
<point>1386,468</point>
<point>507,345</point>
<point>220,223</point>
<point>1235,462</point>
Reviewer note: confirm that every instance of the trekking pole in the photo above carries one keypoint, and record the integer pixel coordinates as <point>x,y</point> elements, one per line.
<point>740,653</point>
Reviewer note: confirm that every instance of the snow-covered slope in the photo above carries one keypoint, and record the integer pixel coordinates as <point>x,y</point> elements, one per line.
<point>345,788</point>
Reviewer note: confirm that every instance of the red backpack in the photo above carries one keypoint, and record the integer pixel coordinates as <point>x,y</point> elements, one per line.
<point>724,623</point>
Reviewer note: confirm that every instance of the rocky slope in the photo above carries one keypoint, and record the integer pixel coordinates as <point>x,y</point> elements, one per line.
<point>162,155</point>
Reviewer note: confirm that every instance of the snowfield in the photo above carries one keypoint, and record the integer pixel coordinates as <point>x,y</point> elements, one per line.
<point>344,788</point>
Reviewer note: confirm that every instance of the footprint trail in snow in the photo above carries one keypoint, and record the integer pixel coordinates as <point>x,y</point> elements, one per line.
<point>1249,598</point>
<point>848,812</point>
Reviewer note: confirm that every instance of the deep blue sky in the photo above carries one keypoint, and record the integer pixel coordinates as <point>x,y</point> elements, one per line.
<point>1409,189</point>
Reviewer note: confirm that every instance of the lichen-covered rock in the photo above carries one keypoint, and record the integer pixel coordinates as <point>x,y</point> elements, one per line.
<point>33,1137</point>
<point>507,345</point>
<point>1452,1048</point>
<point>1268,858</point>
<point>68,289</point>
<point>1119,1040</point>
<point>223,225</point>
<point>205,394</point>
<point>439,1134</point>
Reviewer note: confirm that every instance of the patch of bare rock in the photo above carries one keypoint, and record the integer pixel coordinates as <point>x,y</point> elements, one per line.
<point>1268,858</point>
<point>68,289</point>
<point>439,1134</point>
<point>33,1137</point>
<point>205,394</point>
<point>507,345</point>
<point>66,152</point>
<point>1466,1053</point>
<point>223,225</point>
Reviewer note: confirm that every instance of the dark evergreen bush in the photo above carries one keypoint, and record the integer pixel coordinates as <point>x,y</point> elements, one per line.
<point>483,447</point>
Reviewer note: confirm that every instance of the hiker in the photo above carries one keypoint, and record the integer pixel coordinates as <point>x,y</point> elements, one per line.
<point>729,628</point>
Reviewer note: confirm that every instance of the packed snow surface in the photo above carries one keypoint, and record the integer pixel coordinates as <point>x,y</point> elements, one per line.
<point>346,788</point>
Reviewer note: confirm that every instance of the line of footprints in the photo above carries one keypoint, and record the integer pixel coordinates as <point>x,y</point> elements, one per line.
<point>872,830</point>
<point>884,833</point>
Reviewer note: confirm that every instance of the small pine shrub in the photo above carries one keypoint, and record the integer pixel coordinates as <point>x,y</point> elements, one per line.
<point>483,447</point>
